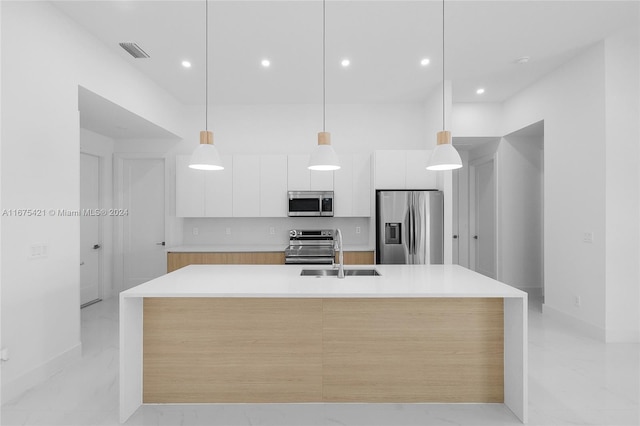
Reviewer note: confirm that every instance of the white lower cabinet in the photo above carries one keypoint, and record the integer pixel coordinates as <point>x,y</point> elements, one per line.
<point>352,186</point>
<point>403,169</point>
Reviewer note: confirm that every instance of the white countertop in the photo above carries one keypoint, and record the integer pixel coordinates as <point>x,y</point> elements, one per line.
<point>285,281</point>
<point>206,248</point>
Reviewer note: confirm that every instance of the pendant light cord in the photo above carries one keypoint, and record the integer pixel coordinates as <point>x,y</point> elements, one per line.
<point>206,67</point>
<point>443,120</point>
<point>324,67</point>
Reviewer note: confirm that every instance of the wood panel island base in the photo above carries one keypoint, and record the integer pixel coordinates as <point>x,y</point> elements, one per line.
<point>263,334</point>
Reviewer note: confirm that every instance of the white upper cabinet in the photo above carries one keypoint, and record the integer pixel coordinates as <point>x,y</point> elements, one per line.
<point>403,169</point>
<point>417,175</point>
<point>273,186</point>
<point>362,185</point>
<point>246,186</point>
<point>352,186</point>
<point>218,193</point>
<point>390,169</point>
<point>300,178</point>
<point>298,175</point>
<point>189,189</point>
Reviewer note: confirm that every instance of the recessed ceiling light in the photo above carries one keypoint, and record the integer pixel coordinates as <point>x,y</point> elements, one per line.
<point>266,63</point>
<point>186,64</point>
<point>522,60</point>
<point>480,91</point>
<point>424,62</point>
<point>345,63</point>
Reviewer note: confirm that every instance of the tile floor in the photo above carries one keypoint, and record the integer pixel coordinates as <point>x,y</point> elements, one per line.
<point>573,380</point>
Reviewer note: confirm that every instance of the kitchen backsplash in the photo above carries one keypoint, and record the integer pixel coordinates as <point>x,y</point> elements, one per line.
<point>271,231</point>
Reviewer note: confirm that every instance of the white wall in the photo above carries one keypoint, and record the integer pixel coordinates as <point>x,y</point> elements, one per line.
<point>571,101</point>
<point>622,186</point>
<point>40,170</point>
<point>520,201</point>
<point>255,231</point>
<point>292,129</point>
<point>102,147</point>
<point>477,119</point>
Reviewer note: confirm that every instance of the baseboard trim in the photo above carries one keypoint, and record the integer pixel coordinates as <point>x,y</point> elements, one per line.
<point>18,386</point>
<point>576,324</point>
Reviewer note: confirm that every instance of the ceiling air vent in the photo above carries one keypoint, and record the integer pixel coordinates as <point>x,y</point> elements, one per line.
<point>134,50</point>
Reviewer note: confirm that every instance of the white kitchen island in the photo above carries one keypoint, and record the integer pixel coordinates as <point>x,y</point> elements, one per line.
<point>263,333</point>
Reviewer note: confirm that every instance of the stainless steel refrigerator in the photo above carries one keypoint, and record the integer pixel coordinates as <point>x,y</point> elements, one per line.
<point>410,227</point>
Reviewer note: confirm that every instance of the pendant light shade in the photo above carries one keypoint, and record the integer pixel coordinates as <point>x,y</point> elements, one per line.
<point>444,156</point>
<point>205,156</point>
<point>324,158</point>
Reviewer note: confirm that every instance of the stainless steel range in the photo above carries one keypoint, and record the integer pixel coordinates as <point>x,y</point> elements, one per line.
<point>309,246</point>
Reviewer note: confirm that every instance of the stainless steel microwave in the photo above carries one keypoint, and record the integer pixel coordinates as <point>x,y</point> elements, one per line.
<point>310,203</point>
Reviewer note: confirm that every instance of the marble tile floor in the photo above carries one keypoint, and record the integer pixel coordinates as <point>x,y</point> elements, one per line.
<point>574,380</point>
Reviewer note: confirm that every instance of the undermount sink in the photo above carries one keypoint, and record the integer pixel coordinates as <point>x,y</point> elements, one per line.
<point>334,272</point>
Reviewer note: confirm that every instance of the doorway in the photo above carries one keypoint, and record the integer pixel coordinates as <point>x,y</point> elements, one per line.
<point>91,261</point>
<point>141,193</point>
<point>483,208</point>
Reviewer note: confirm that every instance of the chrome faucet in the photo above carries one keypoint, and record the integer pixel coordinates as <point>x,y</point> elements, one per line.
<point>341,256</point>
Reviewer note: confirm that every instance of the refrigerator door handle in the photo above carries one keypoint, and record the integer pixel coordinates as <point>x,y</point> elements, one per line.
<point>419,244</point>
<point>412,231</point>
<point>407,230</point>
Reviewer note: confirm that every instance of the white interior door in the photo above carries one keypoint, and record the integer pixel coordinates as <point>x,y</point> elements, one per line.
<point>483,220</point>
<point>90,230</point>
<point>143,194</point>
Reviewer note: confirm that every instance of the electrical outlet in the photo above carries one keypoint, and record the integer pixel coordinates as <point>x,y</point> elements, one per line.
<point>38,250</point>
<point>357,229</point>
<point>195,231</point>
<point>272,230</point>
<point>587,237</point>
<point>227,231</point>
<point>577,301</point>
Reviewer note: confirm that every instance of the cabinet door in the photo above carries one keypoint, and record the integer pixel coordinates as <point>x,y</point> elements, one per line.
<point>343,188</point>
<point>246,186</point>
<point>219,190</point>
<point>189,189</point>
<point>273,186</point>
<point>389,169</point>
<point>361,205</point>
<point>417,175</point>
<point>298,176</point>
<point>321,181</point>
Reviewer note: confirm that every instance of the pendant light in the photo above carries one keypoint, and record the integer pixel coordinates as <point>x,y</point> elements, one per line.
<point>205,156</point>
<point>444,156</point>
<point>324,158</point>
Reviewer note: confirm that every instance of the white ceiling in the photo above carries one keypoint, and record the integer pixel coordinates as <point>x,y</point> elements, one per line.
<point>384,40</point>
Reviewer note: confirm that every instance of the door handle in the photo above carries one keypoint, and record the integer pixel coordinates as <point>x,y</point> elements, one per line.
<point>475,237</point>
<point>96,246</point>
<point>81,263</point>
<point>160,244</point>
<point>455,237</point>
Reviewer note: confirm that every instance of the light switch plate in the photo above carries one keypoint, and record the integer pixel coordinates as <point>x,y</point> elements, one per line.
<point>227,231</point>
<point>587,237</point>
